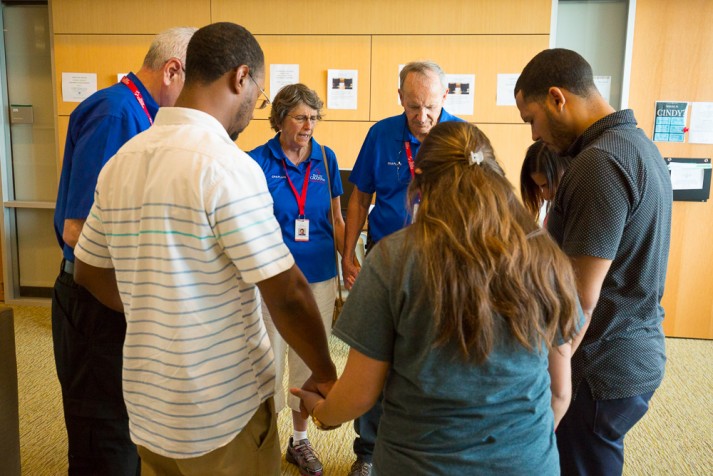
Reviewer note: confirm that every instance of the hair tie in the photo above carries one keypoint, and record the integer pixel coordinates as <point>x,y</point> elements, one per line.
<point>476,158</point>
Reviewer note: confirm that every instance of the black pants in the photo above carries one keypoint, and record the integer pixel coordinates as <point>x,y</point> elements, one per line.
<point>88,338</point>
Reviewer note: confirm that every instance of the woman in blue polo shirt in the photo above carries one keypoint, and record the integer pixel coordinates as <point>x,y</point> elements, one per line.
<point>297,178</point>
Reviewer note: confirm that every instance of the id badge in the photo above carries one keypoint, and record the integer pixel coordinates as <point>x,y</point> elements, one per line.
<point>301,230</point>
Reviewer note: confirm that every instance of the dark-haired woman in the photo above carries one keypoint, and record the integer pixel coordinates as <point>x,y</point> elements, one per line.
<point>540,177</point>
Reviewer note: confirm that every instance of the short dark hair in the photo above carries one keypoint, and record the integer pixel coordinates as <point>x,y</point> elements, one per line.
<point>217,48</point>
<point>557,67</point>
<point>288,98</point>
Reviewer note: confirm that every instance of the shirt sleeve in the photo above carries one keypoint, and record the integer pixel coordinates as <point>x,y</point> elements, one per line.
<point>366,323</point>
<point>242,218</point>
<point>363,172</point>
<point>596,200</point>
<point>96,143</point>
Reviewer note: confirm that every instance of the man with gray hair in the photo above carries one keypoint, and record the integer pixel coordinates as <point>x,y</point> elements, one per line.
<point>87,335</point>
<point>385,167</point>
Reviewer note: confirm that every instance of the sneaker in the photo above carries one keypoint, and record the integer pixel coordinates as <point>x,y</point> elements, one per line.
<point>302,455</point>
<point>360,468</point>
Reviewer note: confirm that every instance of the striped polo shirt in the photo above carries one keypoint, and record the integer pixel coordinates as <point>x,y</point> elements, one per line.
<point>185,218</point>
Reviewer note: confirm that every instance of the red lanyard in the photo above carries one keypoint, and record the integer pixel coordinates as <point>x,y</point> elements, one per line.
<point>412,169</point>
<point>409,157</point>
<point>137,94</point>
<point>301,199</point>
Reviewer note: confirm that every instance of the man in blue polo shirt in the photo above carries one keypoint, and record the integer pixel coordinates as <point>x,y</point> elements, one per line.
<point>385,167</point>
<point>88,336</point>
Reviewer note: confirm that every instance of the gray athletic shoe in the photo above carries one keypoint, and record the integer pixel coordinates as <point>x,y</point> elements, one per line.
<point>302,455</point>
<point>360,468</point>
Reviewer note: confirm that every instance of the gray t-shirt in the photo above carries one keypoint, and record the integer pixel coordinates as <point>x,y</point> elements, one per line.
<point>614,202</point>
<point>442,415</point>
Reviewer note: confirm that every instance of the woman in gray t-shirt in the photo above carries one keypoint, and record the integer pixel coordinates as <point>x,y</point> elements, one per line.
<point>457,318</point>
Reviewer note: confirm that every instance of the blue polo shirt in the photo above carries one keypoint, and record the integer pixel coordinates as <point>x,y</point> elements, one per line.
<point>382,168</point>
<point>314,257</point>
<point>98,127</point>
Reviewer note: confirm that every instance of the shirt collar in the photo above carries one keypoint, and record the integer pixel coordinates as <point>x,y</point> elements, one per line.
<point>276,152</point>
<point>624,118</point>
<point>406,134</point>
<point>151,103</point>
<point>184,115</point>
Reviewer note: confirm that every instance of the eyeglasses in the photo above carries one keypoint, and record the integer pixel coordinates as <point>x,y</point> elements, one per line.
<point>264,102</point>
<point>302,118</point>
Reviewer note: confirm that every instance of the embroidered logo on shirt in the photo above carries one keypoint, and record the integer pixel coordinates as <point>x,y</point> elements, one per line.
<point>317,177</point>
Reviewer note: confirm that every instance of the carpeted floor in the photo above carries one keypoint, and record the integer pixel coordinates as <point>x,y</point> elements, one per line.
<point>674,438</point>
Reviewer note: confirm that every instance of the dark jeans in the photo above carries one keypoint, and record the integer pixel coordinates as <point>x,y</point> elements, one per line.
<point>366,427</point>
<point>88,338</point>
<point>590,437</point>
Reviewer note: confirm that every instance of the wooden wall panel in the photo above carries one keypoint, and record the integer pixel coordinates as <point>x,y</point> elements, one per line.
<point>105,55</point>
<point>127,16</point>
<point>315,58</point>
<point>679,70</point>
<point>370,17</point>
<point>484,56</point>
<point>480,37</point>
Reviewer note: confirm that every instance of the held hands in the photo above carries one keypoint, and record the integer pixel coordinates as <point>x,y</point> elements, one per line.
<point>350,271</point>
<point>312,395</point>
<point>320,389</point>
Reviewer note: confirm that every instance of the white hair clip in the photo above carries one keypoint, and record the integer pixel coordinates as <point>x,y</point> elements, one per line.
<point>476,158</point>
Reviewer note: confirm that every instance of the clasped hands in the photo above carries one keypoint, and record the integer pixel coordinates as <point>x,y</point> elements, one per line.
<point>312,395</point>
<point>350,271</point>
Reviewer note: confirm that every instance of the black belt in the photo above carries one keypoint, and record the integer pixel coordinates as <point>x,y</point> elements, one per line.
<point>68,267</point>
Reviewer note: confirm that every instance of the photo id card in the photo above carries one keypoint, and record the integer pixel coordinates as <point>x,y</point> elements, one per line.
<point>301,230</point>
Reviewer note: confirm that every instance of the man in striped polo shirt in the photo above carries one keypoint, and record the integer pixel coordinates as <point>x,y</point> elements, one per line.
<point>181,237</point>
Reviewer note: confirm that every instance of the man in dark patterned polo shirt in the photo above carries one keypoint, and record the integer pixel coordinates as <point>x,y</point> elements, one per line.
<point>612,216</point>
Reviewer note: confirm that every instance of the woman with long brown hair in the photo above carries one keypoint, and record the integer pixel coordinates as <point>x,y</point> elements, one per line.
<point>457,319</point>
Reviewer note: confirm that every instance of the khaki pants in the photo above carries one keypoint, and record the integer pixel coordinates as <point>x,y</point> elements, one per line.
<point>255,451</point>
